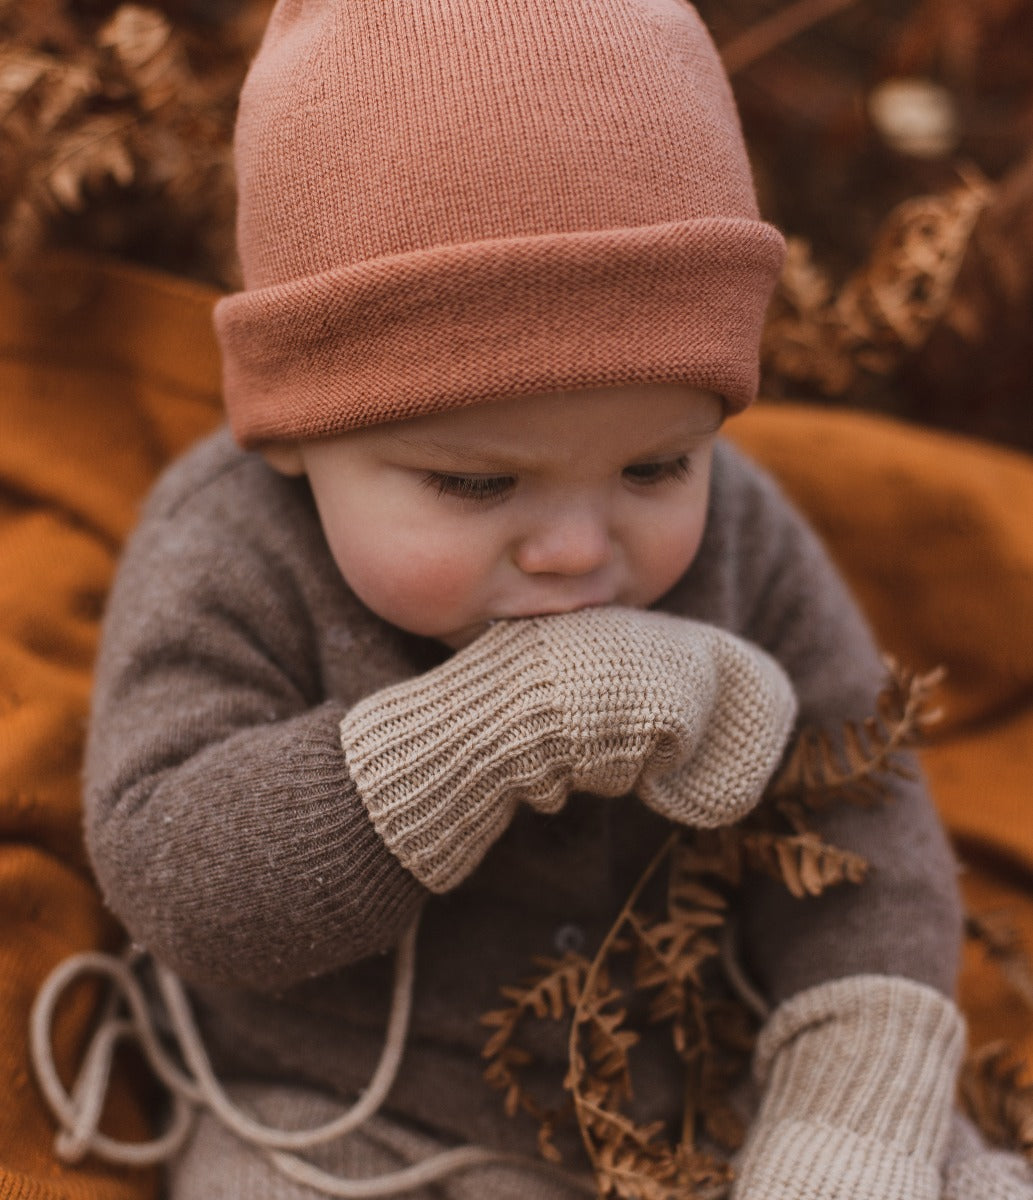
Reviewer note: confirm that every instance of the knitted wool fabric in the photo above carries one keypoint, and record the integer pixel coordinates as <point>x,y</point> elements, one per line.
<point>859,1078</point>
<point>443,202</point>
<point>607,701</point>
<point>216,1165</point>
<point>977,1171</point>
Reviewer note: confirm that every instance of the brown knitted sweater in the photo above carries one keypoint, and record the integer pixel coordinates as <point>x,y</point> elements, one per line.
<point>229,839</point>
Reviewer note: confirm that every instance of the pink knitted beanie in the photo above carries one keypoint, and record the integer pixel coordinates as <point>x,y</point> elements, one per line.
<point>444,202</point>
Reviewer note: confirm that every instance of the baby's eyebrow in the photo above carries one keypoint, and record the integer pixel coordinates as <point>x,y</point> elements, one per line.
<point>485,454</point>
<point>495,457</point>
<point>708,427</point>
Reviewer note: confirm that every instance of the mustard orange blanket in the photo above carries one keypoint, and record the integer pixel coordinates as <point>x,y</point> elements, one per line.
<point>111,371</point>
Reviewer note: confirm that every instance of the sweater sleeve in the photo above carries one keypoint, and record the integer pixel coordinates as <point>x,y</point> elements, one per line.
<point>222,823</point>
<point>766,574</point>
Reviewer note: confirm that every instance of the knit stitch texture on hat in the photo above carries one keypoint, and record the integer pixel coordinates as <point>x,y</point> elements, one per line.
<point>443,202</point>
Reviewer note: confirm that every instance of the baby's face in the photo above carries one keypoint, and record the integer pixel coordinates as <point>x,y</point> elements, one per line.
<point>518,507</point>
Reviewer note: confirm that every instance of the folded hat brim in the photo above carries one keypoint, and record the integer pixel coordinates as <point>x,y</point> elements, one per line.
<point>452,325</point>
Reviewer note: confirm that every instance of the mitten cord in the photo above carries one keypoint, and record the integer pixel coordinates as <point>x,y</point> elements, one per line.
<point>78,1112</point>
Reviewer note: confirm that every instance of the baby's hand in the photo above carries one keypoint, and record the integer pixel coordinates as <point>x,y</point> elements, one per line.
<point>858,1079</point>
<point>978,1171</point>
<point>691,718</point>
<point>604,700</point>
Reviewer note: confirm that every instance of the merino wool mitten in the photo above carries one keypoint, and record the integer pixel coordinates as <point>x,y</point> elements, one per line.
<point>859,1078</point>
<point>976,1171</point>
<point>604,700</point>
<point>991,1175</point>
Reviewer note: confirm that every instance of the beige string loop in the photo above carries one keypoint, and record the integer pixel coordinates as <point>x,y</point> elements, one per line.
<point>731,962</point>
<point>78,1111</point>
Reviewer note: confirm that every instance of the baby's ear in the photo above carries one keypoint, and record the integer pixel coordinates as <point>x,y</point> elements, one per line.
<point>284,457</point>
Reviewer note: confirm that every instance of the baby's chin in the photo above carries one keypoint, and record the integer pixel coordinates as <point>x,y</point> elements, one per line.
<point>461,638</point>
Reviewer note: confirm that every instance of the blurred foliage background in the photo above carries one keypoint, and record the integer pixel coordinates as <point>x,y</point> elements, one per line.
<point>892,141</point>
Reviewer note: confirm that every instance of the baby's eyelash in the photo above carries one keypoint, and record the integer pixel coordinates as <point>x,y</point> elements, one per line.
<point>494,487</point>
<point>659,472</point>
<point>469,487</point>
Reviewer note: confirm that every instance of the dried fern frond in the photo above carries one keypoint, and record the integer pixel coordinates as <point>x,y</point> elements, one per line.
<point>714,854</point>
<point>662,957</point>
<point>609,1043</point>
<point>549,995</point>
<point>656,1172</point>
<point>821,768</point>
<point>152,58</point>
<point>37,96</point>
<point>997,1099</point>
<point>803,862</point>
<point>803,340</point>
<point>82,161</point>
<point>659,967</point>
<point>669,960</point>
<point>827,339</point>
<point>892,304</point>
<point>668,954</point>
<point>118,137</point>
<point>40,89</point>
<point>634,1161</point>
<point>1004,946</point>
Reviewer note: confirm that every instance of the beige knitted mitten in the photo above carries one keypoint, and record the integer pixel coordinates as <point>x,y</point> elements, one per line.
<point>976,1171</point>
<point>859,1078</point>
<point>605,700</point>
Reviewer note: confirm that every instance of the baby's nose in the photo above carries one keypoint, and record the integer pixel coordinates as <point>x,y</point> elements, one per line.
<point>565,543</point>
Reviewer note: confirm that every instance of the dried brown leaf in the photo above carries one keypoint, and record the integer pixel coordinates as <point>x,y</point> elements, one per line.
<point>96,151</point>
<point>661,957</point>
<point>542,997</point>
<point>702,853</point>
<point>820,768</point>
<point>803,862</point>
<point>998,1098</point>
<point>887,309</point>
<point>546,1144</point>
<point>1004,945</point>
<point>149,53</point>
<point>724,1125</point>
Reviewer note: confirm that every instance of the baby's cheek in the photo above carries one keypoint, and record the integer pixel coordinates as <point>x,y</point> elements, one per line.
<point>666,556</point>
<point>438,577</point>
<point>422,586</point>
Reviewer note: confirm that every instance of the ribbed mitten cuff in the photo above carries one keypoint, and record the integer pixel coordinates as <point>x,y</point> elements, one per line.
<point>859,1079</point>
<point>441,761</point>
<point>605,700</point>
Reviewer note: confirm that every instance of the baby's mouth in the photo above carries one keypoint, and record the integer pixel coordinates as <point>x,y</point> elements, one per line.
<point>554,610</point>
<point>469,633</point>
<point>461,638</point>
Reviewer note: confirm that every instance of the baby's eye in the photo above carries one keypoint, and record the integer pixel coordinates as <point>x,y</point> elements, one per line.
<point>659,472</point>
<point>470,487</point>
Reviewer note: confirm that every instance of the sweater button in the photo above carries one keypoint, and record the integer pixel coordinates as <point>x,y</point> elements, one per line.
<point>569,939</point>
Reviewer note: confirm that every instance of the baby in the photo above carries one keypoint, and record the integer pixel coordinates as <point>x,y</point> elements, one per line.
<point>473,603</point>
